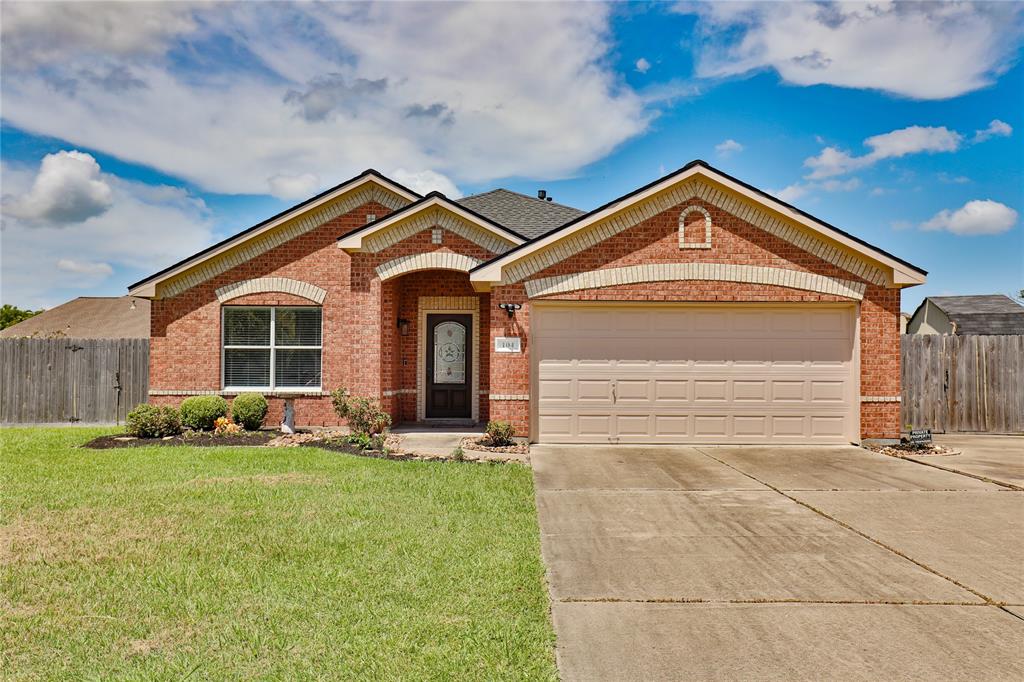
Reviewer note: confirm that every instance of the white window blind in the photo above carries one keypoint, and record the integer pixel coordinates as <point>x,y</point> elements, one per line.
<point>271,348</point>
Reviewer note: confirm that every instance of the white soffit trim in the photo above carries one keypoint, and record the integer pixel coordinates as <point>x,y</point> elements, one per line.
<point>433,211</point>
<point>671,272</point>
<point>302,219</point>
<point>263,285</point>
<point>702,182</point>
<point>431,260</point>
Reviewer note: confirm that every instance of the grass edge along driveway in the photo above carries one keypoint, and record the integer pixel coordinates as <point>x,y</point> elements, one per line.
<point>161,563</point>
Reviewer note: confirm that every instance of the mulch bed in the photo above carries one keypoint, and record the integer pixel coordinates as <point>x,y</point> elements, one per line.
<point>193,438</point>
<point>338,445</point>
<point>912,450</point>
<point>483,444</point>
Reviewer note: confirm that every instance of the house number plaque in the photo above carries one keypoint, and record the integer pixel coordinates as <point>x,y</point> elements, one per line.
<point>507,344</point>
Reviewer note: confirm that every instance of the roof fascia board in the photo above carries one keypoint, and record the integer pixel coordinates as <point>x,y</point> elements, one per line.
<point>902,275</point>
<point>147,288</point>
<point>353,241</point>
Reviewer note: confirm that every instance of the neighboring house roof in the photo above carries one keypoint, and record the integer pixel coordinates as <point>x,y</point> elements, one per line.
<point>990,314</point>
<point>368,178</point>
<point>529,216</point>
<point>429,206</point>
<point>88,317</point>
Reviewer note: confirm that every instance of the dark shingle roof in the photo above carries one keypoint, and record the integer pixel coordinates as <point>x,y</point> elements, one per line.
<point>88,317</point>
<point>991,314</point>
<point>529,216</point>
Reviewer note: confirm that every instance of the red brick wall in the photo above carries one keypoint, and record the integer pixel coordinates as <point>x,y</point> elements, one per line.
<point>733,241</point>
<point>362,349</point>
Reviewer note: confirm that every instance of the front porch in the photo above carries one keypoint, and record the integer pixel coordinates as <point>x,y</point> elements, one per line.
<point>434,351</point>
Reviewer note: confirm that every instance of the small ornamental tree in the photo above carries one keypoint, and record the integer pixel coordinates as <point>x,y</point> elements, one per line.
<point>364,416</point>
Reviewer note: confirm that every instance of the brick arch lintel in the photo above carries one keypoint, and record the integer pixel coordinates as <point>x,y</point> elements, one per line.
<point>430,260</point>
<point>669,272</point>
<point>279,285</point>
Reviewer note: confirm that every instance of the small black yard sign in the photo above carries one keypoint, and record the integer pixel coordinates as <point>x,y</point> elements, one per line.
<point>920,436</point>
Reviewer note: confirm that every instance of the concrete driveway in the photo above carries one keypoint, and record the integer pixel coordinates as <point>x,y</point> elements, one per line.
<point>778,563</point>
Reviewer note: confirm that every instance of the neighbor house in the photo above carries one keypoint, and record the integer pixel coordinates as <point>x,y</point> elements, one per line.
<point>694,309</point>
<point>962,315</point>
<point>87,317</point>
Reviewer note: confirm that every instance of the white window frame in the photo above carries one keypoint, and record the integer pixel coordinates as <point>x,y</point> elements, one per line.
<point>273,348</point>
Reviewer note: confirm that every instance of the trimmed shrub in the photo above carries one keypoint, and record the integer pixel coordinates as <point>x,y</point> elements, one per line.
<point>363,415</point>
<point>500,433</point>
<point>201,411</point>
<point>249,410</point>
<point>151,421</point>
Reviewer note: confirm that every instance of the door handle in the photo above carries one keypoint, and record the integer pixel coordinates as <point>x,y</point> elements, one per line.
<point>614,397</point>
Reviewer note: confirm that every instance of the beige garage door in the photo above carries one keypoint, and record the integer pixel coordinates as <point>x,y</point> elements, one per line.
<point>694,374</point>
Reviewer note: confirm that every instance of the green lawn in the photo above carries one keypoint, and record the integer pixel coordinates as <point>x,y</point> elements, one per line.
<point>212,563</point>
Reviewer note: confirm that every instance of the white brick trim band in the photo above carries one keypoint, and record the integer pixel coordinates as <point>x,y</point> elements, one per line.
<point>435,218</point>
<point>508,396</point>
<point>431,260</point>
<point>683,244</point>
<point>881,399</point>
<point>670,272</point>
<point>279,285</point>
<point>297,227</point>
<point>727,201</point>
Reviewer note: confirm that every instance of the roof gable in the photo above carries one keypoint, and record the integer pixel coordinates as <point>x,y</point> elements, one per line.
<point>435,209</point>
<point>297,220</point>
<point>697,179</point>
<point>986,315</point>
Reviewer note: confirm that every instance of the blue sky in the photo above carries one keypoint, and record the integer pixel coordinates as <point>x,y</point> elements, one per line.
<point>135,134</point>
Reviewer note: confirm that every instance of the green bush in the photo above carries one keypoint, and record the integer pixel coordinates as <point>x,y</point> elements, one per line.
<point>500,433</point>
<point>151,421</point>
<point>201,411</point>
<point>249,410</point>
<point>363,415</point>
<point>365,441</point>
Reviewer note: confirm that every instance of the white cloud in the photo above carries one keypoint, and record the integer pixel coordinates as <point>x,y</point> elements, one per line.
<point>50,33</point>
<point>996,128</point>
<point>893,145</point>
<point>978,217</point>
<point>293,186</point>
<point>67,189</point>
<point>145,228</point>
<point>447,87</point>
<point>952,179</point>
<point>728,147</point>
<point>792,192</point>
<point>84,267</point>
<point>642,65</point>
<point>919,50</point>
<point>426,181</point>
<point>800,189</point>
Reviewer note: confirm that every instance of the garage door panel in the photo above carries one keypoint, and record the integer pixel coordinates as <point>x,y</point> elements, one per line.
<point>695,374</point>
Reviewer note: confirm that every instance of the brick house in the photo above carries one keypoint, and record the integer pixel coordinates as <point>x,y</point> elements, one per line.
<point>694,309</point>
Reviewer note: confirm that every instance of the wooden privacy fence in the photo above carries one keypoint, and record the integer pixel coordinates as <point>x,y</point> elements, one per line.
<point>72,380</point>
<point>963,383</point>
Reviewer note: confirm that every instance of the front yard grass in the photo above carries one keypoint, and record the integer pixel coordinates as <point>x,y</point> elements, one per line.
<point>212,563</point>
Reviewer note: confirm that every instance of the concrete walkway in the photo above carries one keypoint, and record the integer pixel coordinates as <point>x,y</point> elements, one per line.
<point>777,563</point>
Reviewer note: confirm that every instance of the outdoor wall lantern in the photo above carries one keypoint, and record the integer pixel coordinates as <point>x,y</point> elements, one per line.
<point>510,308</point>
<point>403,326</point>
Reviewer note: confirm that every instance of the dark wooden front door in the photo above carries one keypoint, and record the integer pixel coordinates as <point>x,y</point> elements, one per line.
<point>449,366</point>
